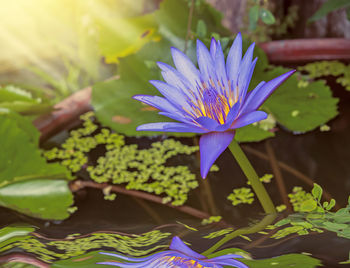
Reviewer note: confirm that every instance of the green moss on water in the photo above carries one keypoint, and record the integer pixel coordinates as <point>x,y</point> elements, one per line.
<point>241,195</point>
<point>127,165</point>
<point>245,195</point>
<point>329,68</point>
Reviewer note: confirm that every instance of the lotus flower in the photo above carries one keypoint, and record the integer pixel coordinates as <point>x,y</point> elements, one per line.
<point>179,256</point>
<point>214,100</point>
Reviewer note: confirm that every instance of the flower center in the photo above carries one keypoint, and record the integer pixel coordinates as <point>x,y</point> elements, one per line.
<point>215,105</point>
<point>180,262</point>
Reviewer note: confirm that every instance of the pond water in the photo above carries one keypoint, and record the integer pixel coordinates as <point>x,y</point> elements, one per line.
<point>99,224</point>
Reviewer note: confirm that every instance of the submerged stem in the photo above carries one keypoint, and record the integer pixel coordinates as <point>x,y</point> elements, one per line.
<point>253,178</point>
<point>261,225</point>
<point>260,192</point>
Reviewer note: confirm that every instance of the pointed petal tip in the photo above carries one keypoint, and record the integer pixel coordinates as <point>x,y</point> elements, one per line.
<point>174,51</point>
<point>200,44</point>
<point>161,65</point>
<point>291,72</point>
<point>155,82</point>
<point>284,76</point>
<point>138,97</point>
<point>239,36</point>
<point>211,145</point>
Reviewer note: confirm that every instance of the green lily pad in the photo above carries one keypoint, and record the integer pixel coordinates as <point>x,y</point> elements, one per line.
<point>299,109</point>
<point>41,198</point>
<point>29,184</point>
<point>252,133</point>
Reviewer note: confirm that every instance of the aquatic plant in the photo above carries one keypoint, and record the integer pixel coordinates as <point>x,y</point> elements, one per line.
<point>244,195</point>
<point>179,255</point>
<point>126,164</point>
<point>313,215</point>
<point>325,68</point>
<point>213,101</point>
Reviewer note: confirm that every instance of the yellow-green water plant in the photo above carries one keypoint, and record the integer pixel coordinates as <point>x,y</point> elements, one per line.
<point>328,68</point>
<point>313,215</point>
<point>125,164</point>
<point>245,195</point>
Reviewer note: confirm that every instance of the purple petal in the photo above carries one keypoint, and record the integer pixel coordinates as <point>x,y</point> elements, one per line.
<point>170,127</point>
<point>249,96</point>
<point>205,62</point>
<point>172,94</point>
<point>174,78</point>
<point>249,118</point>
<point>233,60</point>
<point>220,68</point>
<point>211,145</point>
<point>213,47</point>
<point>185,66</point>
<point>246,82</point>
<point>177,116</point>
<point>157,102</point>
<point>178,245</point>
<point>207,123</point>
<point>259,95</point>
<point>244,68</point>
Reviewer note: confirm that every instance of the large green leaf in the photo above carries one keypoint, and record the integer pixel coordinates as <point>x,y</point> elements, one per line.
<point>300,109</point>
<point>20,158</point>
<point>252,133</point>
<point>23,123</point>
<point>21,101</point>
<point>27,182</point>
<point>115,43</point>
<point>41,198</point>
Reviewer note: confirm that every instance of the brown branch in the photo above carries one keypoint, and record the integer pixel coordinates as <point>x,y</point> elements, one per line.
<point>23,258</point>
<point>278,175</point>
<point>291,170</point>
<point>66,112</point>
<point>79,184</point>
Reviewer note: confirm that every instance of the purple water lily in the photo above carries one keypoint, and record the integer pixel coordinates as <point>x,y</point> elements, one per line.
<point>180,256</point>
<point>213,100</point>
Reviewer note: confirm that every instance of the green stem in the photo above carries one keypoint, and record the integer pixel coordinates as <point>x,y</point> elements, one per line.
<point>253,178</point>
<point>260,192</point>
